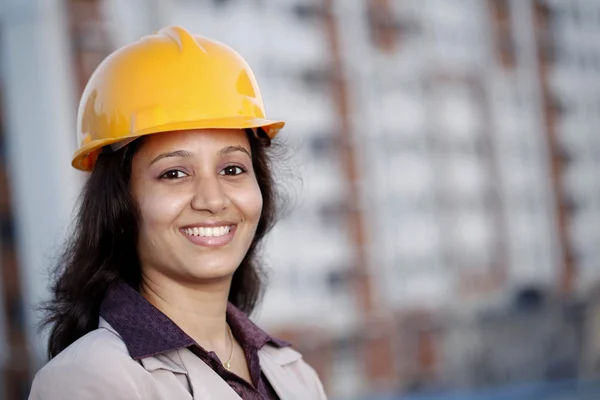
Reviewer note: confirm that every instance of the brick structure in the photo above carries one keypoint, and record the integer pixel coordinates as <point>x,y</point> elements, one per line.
<point>89,38</point>
<point>16,372</point>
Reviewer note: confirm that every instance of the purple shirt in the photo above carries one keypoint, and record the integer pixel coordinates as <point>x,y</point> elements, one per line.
<point>148,332</point>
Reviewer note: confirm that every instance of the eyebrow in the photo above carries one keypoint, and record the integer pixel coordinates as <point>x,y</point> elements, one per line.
<point>232,149</point>
<point>183,153</point>
<point>178,153</point>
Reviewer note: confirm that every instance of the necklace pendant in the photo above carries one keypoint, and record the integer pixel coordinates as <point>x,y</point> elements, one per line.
<point>227,366</point>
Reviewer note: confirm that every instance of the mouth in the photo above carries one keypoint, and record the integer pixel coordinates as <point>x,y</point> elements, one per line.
<point>205,231</point>
<point>210,236</point>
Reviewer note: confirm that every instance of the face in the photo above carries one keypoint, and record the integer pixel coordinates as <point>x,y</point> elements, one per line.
<point>199,204</point>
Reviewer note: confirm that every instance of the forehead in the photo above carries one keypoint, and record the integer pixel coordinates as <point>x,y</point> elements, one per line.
<point>195,140</point>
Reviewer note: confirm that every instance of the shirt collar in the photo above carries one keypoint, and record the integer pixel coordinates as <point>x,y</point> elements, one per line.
<point>146,331</point>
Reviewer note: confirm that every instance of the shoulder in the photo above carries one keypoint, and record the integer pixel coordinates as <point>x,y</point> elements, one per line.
<point>96,365</point>
<point>98,349</point>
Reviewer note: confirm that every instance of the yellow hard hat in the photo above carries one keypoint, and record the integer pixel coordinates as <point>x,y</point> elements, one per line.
<point>164,82</point>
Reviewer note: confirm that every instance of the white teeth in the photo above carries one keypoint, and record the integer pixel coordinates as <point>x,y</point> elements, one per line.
<point>207,232</point>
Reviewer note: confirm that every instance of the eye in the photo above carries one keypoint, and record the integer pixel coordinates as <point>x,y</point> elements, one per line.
<point>232,170</point>
<point>173,174</point>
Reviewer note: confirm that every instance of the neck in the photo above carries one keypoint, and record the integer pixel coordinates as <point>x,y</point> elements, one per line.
<point>199,310</point>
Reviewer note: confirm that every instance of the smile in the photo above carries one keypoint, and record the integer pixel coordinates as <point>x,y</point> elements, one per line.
<point>210,236</point>
<point>208,231</point>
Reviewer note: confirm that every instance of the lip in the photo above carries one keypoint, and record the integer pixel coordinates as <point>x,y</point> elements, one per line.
<point>210,241</point>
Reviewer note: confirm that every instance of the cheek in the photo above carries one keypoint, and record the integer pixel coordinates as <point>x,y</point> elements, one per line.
<point>158,209</point>
<point>249,201</point>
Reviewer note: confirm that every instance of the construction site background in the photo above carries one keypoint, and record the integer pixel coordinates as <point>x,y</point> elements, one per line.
<point>444,235</point>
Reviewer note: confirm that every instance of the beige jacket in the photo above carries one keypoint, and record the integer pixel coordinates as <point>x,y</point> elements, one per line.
<point>98,366</point>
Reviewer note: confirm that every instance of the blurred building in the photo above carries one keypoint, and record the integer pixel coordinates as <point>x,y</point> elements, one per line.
<point>443,157</point>
<point>573,97</point>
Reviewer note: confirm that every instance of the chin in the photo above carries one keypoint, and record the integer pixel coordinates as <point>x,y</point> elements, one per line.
<point>212,270</point>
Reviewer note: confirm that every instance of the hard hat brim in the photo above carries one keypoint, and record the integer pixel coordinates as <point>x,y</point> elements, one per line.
<point>85,157</point>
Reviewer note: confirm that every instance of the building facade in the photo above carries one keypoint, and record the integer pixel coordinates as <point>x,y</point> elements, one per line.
<point>442,156</point>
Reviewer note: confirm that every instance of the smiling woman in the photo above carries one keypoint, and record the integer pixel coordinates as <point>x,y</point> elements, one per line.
<point>154,289</point>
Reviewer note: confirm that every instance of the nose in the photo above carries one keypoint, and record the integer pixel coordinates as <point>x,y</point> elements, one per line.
<point>209,195</point>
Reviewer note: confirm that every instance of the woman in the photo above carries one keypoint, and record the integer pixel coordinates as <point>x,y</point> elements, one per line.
<point>154,288</point>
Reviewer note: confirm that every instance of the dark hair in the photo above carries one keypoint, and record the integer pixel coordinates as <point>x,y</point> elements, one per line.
<point>102,246</point>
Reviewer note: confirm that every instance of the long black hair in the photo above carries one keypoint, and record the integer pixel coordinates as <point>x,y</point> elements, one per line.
<point>102,247</point>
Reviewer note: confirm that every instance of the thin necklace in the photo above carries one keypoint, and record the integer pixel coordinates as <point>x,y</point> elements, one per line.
<point>227,364</point>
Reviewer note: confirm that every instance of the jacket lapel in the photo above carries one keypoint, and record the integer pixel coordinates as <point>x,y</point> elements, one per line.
<point>206,383</point>
<point>275,365</point>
